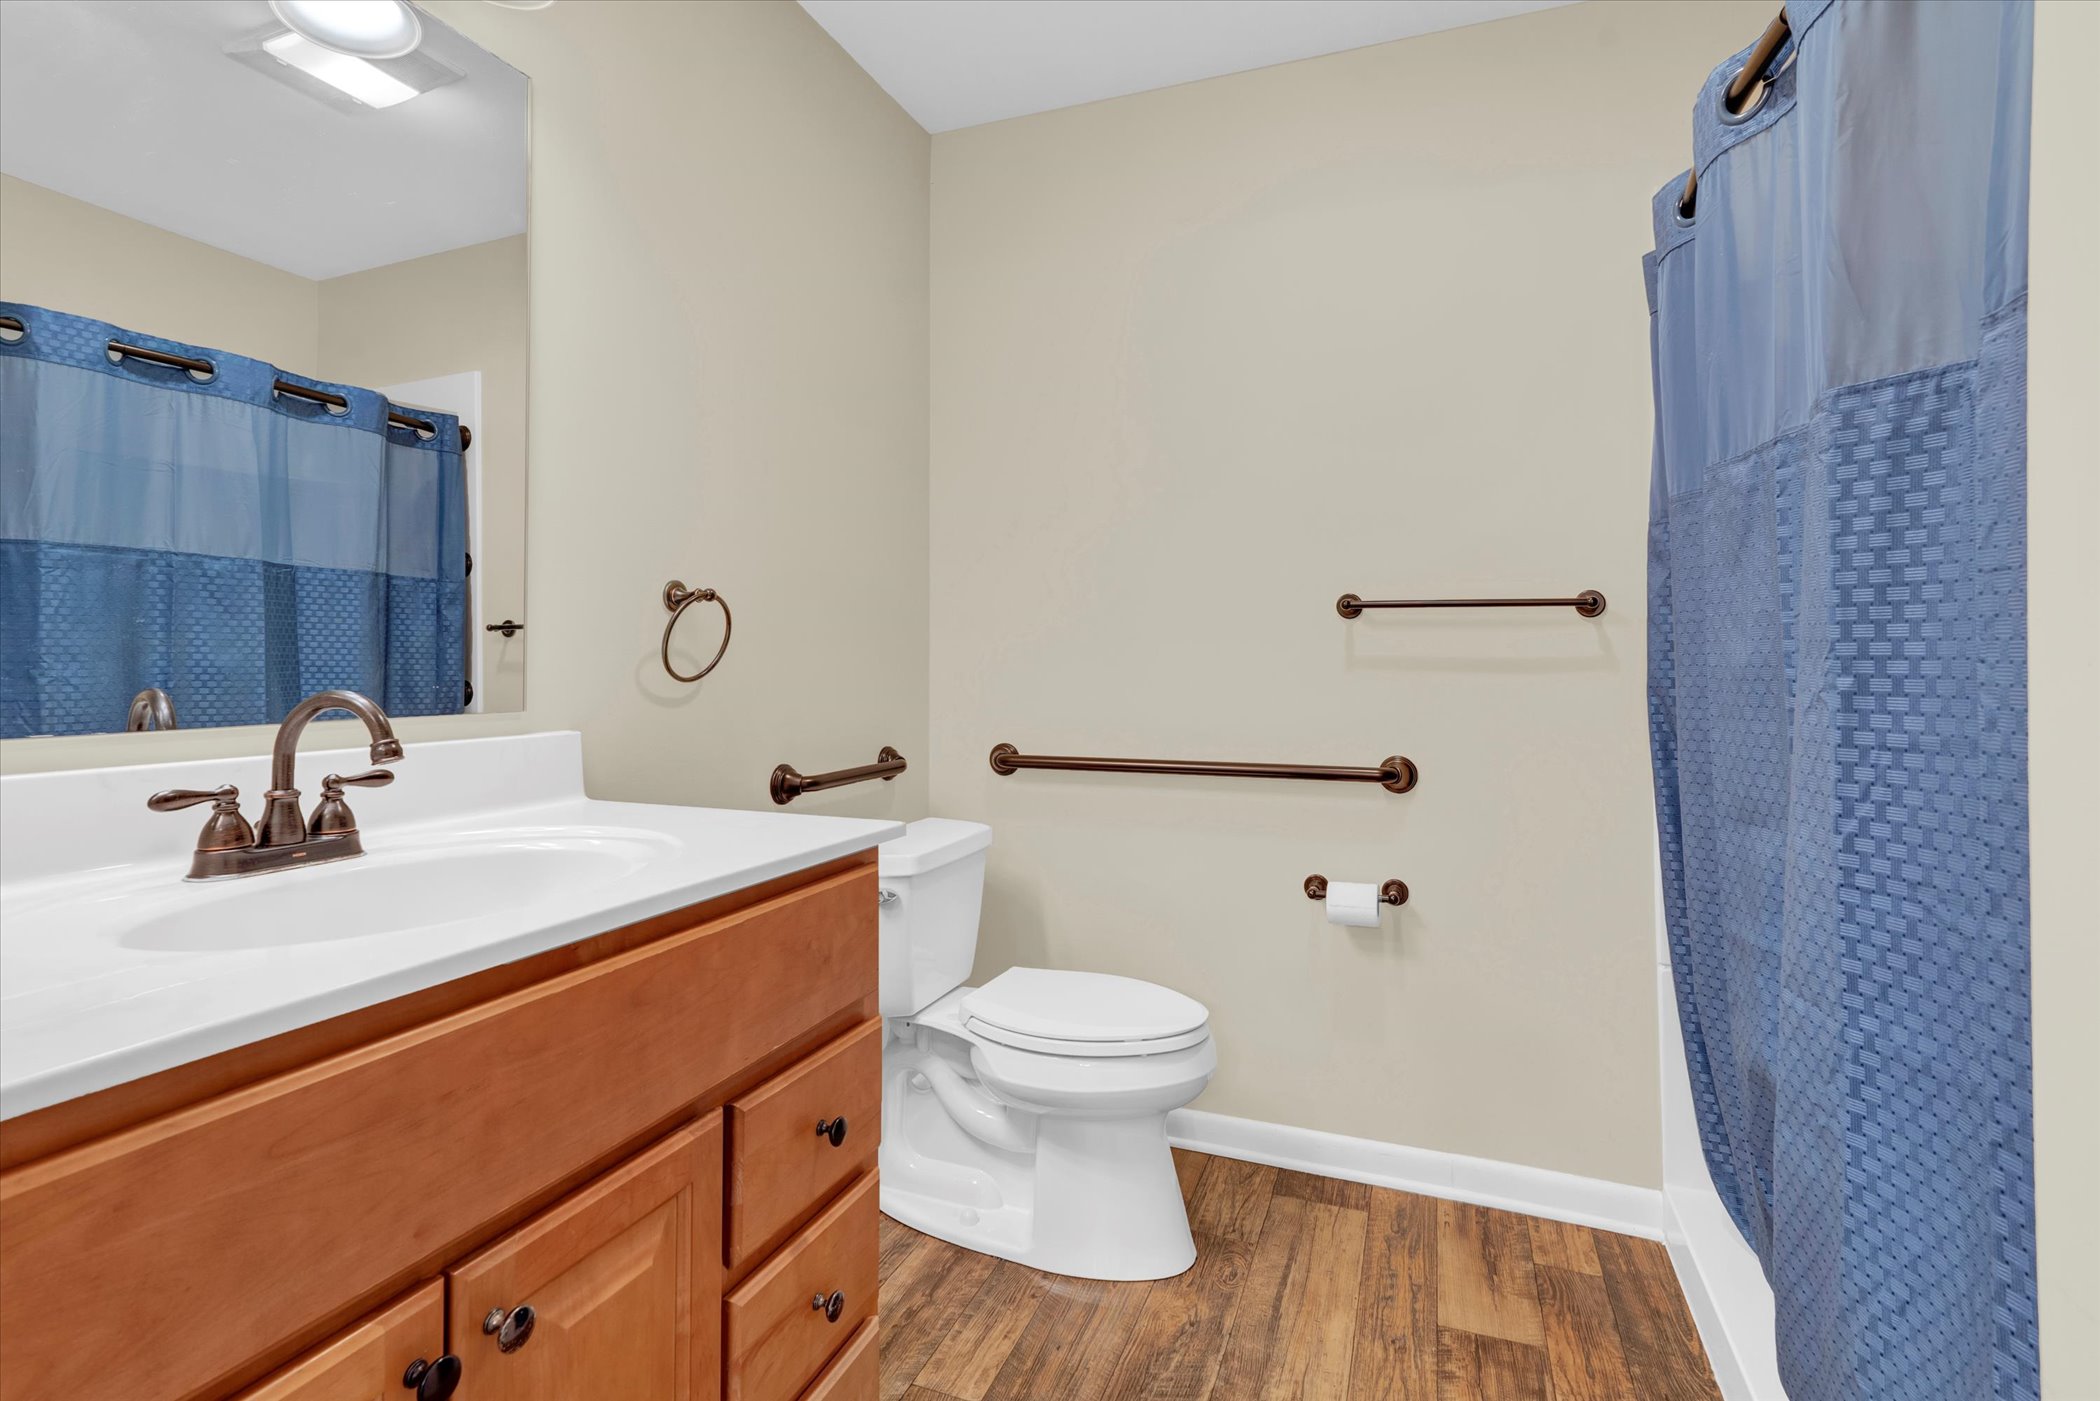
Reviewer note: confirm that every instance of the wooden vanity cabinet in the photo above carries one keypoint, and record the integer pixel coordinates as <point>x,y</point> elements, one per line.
<point>554,1140</point>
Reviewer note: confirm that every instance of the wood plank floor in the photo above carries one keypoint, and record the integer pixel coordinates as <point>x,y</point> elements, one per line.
<point>1304,1287</point>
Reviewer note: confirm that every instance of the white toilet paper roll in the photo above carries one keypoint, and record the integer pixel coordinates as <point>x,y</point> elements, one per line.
<point>1352,903</point>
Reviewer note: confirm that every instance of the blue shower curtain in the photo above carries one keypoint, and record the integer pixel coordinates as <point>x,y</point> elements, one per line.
<point>1837,682</point>
<point>236,547</point>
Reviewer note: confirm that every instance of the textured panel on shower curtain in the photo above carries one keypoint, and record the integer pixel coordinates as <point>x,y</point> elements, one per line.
<point>1837,685</point>
<point>237,548</point>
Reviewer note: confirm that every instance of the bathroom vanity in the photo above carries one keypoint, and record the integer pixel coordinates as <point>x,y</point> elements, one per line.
<point>486,1151</point>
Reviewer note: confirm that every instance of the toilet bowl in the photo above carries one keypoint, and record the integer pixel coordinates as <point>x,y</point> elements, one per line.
<point>1026,1118</point>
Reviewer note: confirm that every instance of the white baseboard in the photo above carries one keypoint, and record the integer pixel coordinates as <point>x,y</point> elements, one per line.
<point>1726,1290</point>
<point>1558,1196</point>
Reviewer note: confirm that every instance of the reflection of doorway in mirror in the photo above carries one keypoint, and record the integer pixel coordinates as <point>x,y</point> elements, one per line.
<point>459,395</point>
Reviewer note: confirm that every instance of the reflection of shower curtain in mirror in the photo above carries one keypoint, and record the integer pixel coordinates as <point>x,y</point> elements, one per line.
<point>1837,683</point>
<point>235,547</point>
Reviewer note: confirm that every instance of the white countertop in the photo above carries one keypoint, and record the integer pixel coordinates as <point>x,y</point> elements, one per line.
<point>117,970</point>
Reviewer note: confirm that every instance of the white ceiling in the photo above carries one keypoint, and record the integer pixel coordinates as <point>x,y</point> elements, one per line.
<point>135,106</point>
<point>957,63</point>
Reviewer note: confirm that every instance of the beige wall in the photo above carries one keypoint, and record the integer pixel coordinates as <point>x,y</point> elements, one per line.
<point>70,256</point>
<point>446,314</point>
<point>2063,475</point>
<point>1208,357</point>
<point>728,386</point>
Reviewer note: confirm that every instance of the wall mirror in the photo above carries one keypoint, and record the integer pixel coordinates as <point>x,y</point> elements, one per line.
<point>263,334</point>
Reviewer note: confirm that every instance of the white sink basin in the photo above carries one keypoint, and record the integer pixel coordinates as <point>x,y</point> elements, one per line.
<point>392,892</point>
<point>482,852</point>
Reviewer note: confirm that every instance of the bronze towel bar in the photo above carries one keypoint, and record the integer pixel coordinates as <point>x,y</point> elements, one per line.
<point>789,785</point>
<point>1589,603</point>
<point>1395,774</point>
<point>1393,892</point>
<point>194,366</point>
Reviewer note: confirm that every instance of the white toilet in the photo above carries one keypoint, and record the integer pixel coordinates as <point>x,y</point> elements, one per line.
<point>1026,1118</point>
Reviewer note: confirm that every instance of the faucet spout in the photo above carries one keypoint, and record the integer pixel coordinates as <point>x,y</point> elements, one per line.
<point>282,822</point>
<point>151,709</point>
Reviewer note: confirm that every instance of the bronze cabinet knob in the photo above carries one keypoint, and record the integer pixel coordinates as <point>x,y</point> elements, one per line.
<point>833,1129</point>
<point>512,1327</point>
<point>830,1305</point>
<point>433,1381</point>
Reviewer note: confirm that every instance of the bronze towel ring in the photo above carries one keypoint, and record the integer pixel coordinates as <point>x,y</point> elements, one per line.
<point>678,598</point>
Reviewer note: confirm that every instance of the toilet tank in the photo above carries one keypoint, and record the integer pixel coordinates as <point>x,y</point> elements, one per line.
<point>933,888</point>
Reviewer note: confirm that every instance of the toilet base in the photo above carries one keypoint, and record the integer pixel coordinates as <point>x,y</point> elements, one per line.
<point>1094,1198</point>
<point>1116,1215</point>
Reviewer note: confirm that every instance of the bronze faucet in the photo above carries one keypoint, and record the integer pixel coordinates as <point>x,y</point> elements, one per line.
<point>151,709</point>
<point>228,846</point>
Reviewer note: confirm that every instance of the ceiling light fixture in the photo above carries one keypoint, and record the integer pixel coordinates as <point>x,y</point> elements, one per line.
<point>351,76</point>
<point>354,28</point>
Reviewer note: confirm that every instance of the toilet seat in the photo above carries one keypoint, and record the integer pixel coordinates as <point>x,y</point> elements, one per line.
<point>1059,1012</point>
<point>1046,1046</point>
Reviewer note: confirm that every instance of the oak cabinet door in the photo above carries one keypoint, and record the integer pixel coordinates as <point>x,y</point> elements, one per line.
<point>368,1361</point>
<point>613,1291</point>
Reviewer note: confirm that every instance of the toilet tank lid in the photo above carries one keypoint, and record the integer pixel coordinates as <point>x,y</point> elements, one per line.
<point>1060,1005</point>
<point>929,843</point>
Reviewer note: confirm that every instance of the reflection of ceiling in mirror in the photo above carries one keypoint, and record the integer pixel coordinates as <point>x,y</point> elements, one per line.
<point>135,106</point>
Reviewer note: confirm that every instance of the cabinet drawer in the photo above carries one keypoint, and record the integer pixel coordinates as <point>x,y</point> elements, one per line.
<point>368,1359</point>
<point>774,1340</point>
<point>157,1262</point>
<point>781,1167</point>
<point>855,1374</point>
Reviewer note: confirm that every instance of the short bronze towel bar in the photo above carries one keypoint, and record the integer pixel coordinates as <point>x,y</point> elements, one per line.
<point>1395,774</point>
<point>789,785</point>
<point>422,427</point>
<point>1393,892</point>
<point>678,598</point>
<point>1589,603</point>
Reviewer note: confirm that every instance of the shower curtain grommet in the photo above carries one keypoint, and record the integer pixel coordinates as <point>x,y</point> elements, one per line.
<point>1751,106</point>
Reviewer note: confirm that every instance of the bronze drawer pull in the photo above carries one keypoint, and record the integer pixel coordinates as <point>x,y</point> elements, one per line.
<point>833,1129</point>
<point>831,1306</point>
<point>678,598</point>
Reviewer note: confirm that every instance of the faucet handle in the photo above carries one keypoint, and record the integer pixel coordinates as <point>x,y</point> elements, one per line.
<point>333,785</point>
<point>332,816</point>
<point>225,829</point>
<point>176,799</point>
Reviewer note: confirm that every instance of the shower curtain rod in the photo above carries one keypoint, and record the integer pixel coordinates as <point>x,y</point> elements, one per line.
<point>283,386</point>
<point>1755,70</point>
